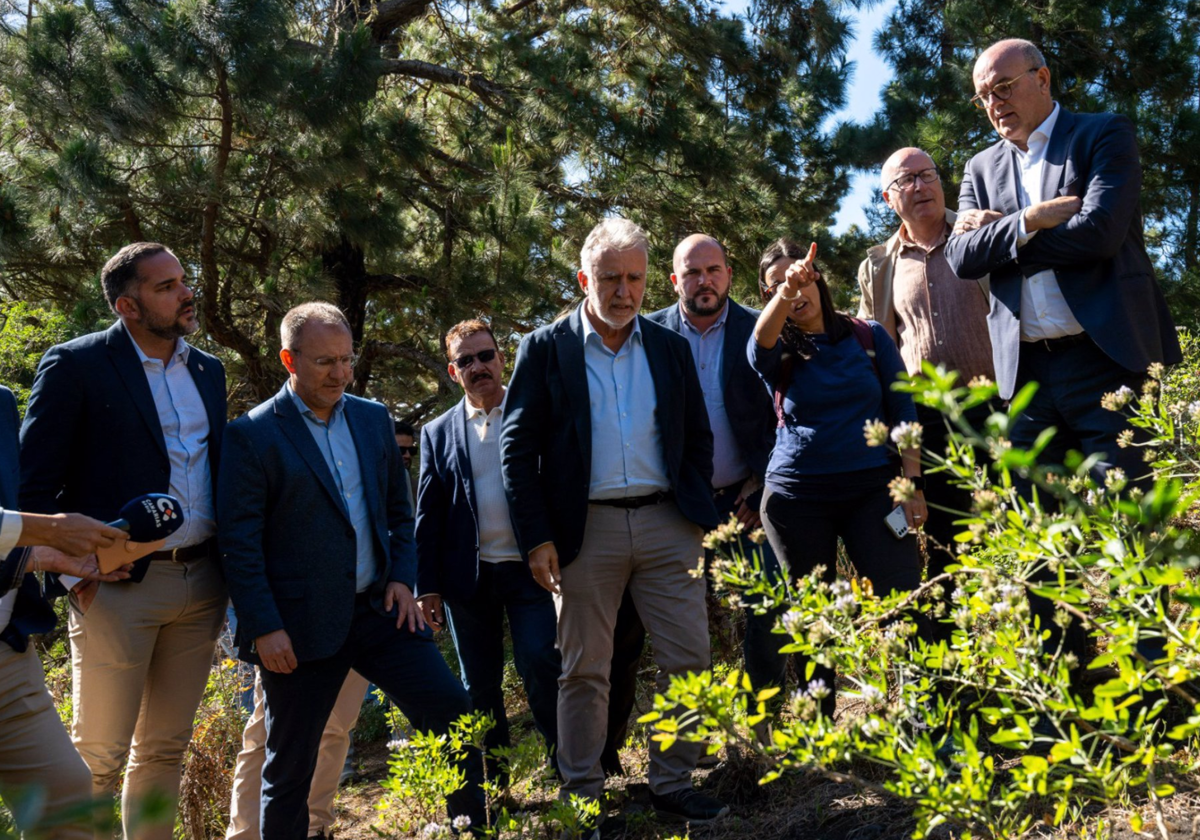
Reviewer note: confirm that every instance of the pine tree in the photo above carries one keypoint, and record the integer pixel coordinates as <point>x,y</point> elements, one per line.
<point>416,162</point>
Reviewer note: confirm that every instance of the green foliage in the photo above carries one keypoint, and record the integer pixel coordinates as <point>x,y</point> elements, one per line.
<point>991,734</point>
<point>26,333</point>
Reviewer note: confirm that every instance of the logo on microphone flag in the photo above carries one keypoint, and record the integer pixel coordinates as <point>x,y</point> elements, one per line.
<point>167,509</point>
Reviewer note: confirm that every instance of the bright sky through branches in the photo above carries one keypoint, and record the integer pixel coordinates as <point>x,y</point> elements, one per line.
<point>870,75</point>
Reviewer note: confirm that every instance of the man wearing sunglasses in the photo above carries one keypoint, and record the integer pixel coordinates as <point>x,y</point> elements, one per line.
<point>1052,212</point>
<point>907,285</point>
<point>470,572</point>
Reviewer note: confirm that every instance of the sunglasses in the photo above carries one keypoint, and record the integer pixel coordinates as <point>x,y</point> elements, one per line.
<point>464,362</point>
<point>408,450</point>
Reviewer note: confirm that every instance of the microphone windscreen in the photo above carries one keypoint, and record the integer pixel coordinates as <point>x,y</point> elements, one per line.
<point>151,517</point>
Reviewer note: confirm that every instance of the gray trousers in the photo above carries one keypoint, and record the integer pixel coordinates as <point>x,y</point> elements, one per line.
<point>652,550</point>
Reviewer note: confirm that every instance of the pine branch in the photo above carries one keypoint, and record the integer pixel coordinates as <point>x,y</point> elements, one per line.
<point>482,87</point>
<point>391,15</point>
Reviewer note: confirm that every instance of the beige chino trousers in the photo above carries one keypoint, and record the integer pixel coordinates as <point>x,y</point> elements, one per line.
<point>246,807</point>
<point>652,550</point>
<point>43,781</point>
<point>140,660</point>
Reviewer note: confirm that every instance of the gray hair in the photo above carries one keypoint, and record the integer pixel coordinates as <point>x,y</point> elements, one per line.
<point>298,316</point>
<point>615,234</point>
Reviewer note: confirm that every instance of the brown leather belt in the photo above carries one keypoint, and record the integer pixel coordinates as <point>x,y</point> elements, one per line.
<point>187,554</point>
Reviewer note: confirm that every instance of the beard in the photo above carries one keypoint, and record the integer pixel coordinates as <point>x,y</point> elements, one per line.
<point>613,320</point>
<point>169,329</point>
<point>693,306</point>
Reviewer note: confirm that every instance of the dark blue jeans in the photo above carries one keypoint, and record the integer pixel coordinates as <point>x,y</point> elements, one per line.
<point>1071,379</point>
<point>407,666</point>
<point>477,625</point>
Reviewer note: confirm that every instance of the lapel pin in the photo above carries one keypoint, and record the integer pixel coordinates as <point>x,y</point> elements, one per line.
<point>200,366</point>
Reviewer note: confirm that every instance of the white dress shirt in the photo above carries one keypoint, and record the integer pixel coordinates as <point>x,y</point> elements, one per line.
<point>10,531</point>
<point>1044,310</point>
<point>497,542</point>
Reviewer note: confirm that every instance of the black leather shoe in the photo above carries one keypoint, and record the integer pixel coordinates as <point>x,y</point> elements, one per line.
<point>688,805</point>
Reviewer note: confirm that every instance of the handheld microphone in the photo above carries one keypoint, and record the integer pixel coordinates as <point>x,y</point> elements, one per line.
<point>151,517</point>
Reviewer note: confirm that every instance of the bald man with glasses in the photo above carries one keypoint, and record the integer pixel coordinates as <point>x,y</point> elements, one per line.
<point>908,286</point>
<point>1052,213</point>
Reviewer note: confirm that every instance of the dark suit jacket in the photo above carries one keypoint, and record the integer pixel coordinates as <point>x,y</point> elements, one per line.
<point>748,405</point>
<point>546,440</point>
<point>92,440</point>
<point>31,613</point>
<point>447,521</point>
<point>1099,256</point>
<point>288,547</point>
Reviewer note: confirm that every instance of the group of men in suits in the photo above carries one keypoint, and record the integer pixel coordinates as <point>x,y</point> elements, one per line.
<point>573,501</point>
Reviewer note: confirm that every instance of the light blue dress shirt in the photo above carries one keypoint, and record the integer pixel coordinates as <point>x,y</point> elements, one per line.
<point>627,451</point>
<point>184,421</point>
<point>708,350</point>
<point>337,447</point>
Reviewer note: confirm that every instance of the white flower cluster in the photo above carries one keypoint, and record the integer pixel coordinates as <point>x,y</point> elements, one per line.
<point>908,435</point>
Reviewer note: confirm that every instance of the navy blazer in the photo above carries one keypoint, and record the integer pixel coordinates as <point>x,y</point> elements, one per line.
<point>288,547</point>
<point>748,405</point>
<point>1099,255</point>
<point>447,515</point>
<point>31,613</point>
<point>546,439</point>
<point>92,440</point>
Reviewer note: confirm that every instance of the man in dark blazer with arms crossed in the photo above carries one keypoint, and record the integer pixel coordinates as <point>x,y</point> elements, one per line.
<point>607,458</point>
<point>317,546</point>
<point>113,415</point>
<point>1052,212</point>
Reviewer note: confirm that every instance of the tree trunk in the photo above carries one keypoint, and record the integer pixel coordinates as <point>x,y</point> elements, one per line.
<point>346,265</point>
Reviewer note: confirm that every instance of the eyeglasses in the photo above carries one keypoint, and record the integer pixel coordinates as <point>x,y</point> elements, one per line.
<point>327,362</point>
<point>906,181</point>
<point>1001,90</point>
<point>465,361</point>
<point>408,450</point>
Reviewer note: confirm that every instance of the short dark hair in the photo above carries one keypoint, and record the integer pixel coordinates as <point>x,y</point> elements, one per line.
<point>466,328</point>
<point>121,270</point>
<point>405,428</point>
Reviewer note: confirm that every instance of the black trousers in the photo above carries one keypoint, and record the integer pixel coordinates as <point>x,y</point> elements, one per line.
<point>804,526</point>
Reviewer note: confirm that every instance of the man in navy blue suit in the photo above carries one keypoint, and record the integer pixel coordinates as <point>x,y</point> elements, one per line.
<point>1052,211</point>
<point>607,460</point>
<point>740,412</point>
<point>317,546</point>
<point>131,410</point>
<point>470,572</point>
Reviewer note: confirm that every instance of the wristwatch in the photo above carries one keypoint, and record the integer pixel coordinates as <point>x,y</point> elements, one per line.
<point>918,482</point>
